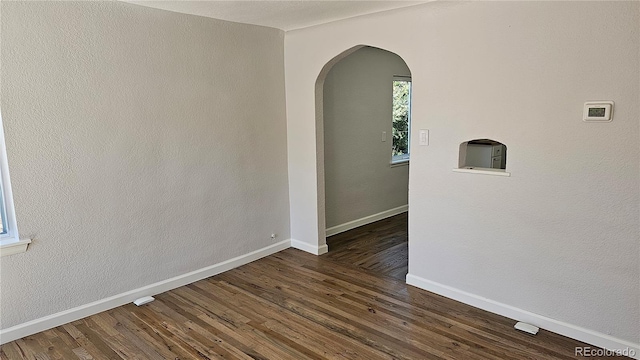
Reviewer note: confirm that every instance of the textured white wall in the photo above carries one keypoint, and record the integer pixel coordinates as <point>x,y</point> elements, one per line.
<point>358,104</point>
<point>142,144</point>
<point>560,237</point>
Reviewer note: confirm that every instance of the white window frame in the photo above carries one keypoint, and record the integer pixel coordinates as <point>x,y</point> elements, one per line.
<point>403,159</point>
<point>10,242</point>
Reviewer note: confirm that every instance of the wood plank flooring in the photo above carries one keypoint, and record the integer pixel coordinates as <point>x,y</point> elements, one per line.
<point>346,304</point>
<point>381,247</point>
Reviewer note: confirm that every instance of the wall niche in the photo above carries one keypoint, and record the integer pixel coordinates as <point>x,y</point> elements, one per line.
<point>484,156</point>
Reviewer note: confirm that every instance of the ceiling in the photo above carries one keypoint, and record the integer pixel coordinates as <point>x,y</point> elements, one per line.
<point>284,15</point>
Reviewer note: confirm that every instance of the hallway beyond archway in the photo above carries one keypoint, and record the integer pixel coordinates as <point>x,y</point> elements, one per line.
<point>380,248</point>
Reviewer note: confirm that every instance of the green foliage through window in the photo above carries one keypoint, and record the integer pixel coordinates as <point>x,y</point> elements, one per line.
<point>401,119</point>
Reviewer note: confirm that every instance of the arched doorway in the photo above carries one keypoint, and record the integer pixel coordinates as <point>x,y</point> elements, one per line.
<point>362,127</point>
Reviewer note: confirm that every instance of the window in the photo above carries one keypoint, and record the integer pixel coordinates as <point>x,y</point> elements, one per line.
<point>4,230</point>
<point>401,118</point>
<point>10,243</point>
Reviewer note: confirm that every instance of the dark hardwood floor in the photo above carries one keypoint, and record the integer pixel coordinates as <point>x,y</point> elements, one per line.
<point>381,247</point>
<point>351,303</point>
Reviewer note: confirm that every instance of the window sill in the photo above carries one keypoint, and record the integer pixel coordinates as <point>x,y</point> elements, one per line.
<point>483,171</point>
<point>400,163</point>
<point>14,247</point>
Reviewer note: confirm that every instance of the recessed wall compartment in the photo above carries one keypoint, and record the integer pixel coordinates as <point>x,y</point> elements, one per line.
<point>484,156</point>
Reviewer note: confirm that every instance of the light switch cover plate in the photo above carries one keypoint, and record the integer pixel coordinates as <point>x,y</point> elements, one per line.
<point>424,137</point>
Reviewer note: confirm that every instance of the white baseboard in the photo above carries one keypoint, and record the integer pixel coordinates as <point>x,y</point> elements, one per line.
<point>366,220</point>
<point>313,249</point>
<point>575,332</point>
<point>67,316</point>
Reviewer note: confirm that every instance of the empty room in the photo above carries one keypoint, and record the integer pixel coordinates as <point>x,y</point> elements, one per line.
<point>319,179</point>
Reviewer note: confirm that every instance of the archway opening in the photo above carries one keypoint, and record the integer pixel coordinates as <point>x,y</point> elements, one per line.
<point>363,113</point>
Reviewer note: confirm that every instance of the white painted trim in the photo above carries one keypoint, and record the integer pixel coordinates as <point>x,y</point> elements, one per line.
<point>313,249</point>
<point>15,247</point>
<point>366,220</point>
<point>483,171</point>
<point>67,316</point>
<point>399,163</point>
<point>575,332</point>
<point>5,186</point>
